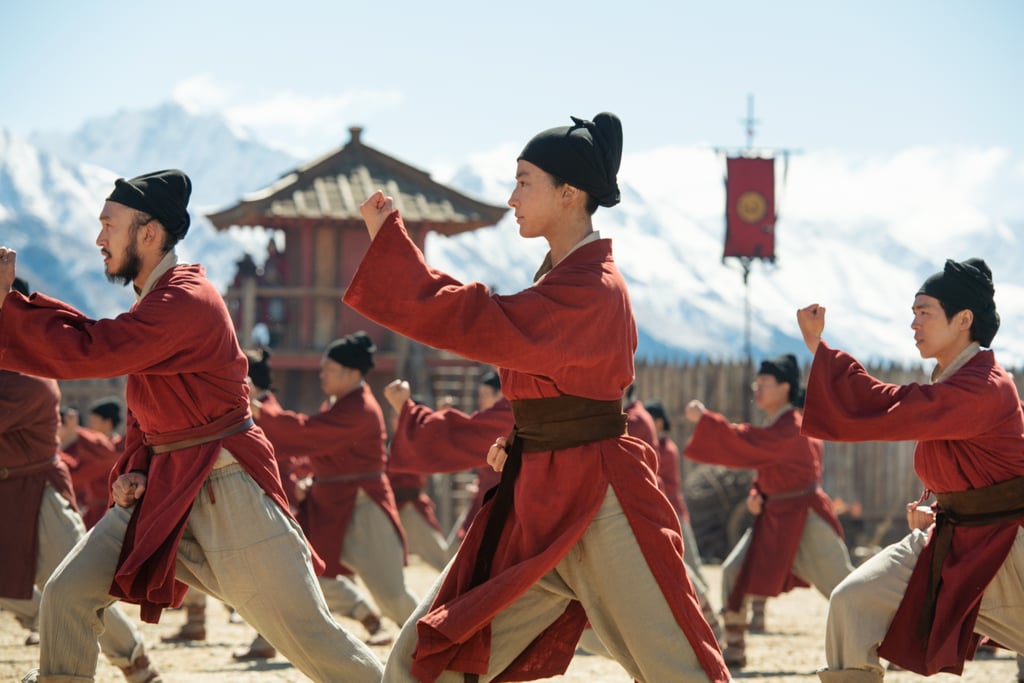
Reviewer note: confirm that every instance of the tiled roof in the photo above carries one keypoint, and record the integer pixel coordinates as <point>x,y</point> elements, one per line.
<point>332,188</point>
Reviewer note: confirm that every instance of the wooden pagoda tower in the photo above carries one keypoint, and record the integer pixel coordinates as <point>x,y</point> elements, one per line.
<point>297,295</point>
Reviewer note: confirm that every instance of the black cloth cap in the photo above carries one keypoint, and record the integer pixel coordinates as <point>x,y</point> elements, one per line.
<point>656,409</point>
<point>163,195</point>
<point>967,286</point>
<point>785,368</point>
<point>259,368</point>
<point>585,155</point>
<point>353,351</point>
<point>491,379</point>
<point>108,408</point>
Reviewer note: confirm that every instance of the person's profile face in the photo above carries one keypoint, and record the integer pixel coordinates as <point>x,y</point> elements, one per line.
<point>934,334</point>
<point>535,200</point>
<point>769,393</point>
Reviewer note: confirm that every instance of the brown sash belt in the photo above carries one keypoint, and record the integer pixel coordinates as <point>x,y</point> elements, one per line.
<point>200,440</point>
<point>789,495</point>
<point>31,468</point>
<point>542,424</point>
<point>335,478</point>
<point>997,504</point>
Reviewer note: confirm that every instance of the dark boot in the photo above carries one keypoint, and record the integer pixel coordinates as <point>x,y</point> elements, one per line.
<point>194,628</point>
<point>735,652</point>
<point>757,616</point>
<point>141,671</point>
<point>377,634</point>
<point>259,648</point>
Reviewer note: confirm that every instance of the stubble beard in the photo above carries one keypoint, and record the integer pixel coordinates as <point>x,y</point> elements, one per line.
<point>130,269</point>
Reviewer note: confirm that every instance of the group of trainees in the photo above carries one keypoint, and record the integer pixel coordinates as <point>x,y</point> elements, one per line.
<point>578,533</point>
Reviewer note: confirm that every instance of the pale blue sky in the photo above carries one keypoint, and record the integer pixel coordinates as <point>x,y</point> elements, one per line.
<point>437,81</point>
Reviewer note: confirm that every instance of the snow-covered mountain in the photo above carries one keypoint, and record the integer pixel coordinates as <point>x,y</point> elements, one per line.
<point>856,235</point>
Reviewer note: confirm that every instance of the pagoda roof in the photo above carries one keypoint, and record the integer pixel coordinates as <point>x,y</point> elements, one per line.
<point>332,187</point>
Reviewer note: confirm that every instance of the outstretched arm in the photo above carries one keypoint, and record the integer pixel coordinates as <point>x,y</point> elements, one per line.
<point>812,323</point>
<point>375,210</point>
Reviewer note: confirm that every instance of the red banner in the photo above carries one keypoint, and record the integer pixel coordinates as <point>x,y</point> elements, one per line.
<point>750,208</point>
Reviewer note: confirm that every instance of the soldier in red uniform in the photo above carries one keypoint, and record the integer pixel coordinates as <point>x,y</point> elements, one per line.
<point>927,598</point>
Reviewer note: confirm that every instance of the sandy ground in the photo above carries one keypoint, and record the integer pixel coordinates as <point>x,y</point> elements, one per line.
<point>789,652</point>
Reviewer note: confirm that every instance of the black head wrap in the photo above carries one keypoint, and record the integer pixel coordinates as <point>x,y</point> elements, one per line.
<point>108,408</point>
<point>20,285</point>
<point>163,195</point>
<point>785,368</point>
<point>353,351</point>
<point>585,155</point>
<point>259,368</point>
<point>656,409</point>
<point>491,379</point>
<point>967,286</point>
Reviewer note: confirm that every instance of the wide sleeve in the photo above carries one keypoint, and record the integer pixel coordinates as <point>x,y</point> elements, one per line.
<point>428,441</point>
<point>845,403</point>
<point>528,332</point>
<point>716,441</point>
<point>322,435</point>
<point>43,336</point>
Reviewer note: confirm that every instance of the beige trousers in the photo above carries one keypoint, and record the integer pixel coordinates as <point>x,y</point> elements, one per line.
<point>864,604</point>
<point>606,572</point>
<point>241,549</point>
<point>60,528</point>
<point>373,549</point>
<point>821,560</point>
<point>691,556</point>
<point>423,539</point>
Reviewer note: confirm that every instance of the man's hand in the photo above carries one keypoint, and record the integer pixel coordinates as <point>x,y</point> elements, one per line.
<point>919,516</point>
<point>812,323</point>
<point>8,258</point>
<point>375,210</point>
<point>128,488</point>
<point>755,502</point>
<point>695,411</point>
<point>397,393</point>
<point>497,456</point>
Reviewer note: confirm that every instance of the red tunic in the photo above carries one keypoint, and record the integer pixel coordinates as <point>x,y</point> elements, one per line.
<point>571,333</point>
<point>431,441</point>
<point>969,430</point>
<point>93,455</point>
<point>29,415</point>
<point>344,445</point>
<point>408,488</point>
<point>786,463</point>
<point>186,377</point>
<point>668,476</point>
<point>640,423</point>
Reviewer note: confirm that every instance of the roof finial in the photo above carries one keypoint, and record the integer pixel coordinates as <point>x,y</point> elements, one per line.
<point>356,132</point>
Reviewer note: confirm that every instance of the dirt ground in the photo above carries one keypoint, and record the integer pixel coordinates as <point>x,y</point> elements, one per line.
<point>789,652</point>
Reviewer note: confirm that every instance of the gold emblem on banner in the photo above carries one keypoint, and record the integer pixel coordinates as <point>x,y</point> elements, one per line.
<point>751,206</point>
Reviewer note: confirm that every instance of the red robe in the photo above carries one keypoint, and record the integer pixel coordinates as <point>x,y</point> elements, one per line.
<point>969,430</point>
<point>668,476</point>
<point>640,423</point>
<point>91,456</point>
<point>571,333</point>
<point>431,441</point>
<point>346,440</point>
<point>408,488</point>
<point>186,376</point>
<point>29,415</point>
<point>786,462</point>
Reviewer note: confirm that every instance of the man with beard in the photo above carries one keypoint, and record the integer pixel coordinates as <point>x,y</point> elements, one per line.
<point>42,523</point>
<point>196,492</point>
